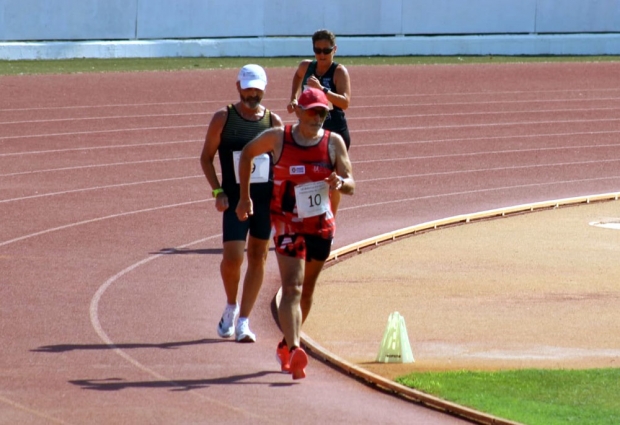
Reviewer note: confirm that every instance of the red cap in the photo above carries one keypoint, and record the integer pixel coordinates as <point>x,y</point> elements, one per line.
<point>313,98</point>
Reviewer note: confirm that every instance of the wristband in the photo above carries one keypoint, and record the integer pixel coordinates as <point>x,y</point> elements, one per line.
<point>340,183</point>
<point>325,90</point>
<point>217,191</point>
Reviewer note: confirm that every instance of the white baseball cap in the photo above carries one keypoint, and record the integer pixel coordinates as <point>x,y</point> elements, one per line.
<point>252,76</point>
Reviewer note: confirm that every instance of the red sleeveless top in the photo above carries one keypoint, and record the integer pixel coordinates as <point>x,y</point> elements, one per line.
<point>298,165</point>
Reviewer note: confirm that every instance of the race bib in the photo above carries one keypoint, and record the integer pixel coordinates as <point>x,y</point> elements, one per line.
<point>260,168</point>
<point>312,199</point>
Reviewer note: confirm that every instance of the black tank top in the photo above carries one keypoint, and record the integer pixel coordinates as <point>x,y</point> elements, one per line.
<point>335,120</point>
<point>237,132</point>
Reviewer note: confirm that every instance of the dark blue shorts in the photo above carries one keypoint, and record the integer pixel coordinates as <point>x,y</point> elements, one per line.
<point>258,225</point>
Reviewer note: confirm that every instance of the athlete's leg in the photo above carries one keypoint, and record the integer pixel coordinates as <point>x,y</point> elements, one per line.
<point>289,311</point>
<point>311,275</point>
<point>253,280</point>
<point>230,268</point>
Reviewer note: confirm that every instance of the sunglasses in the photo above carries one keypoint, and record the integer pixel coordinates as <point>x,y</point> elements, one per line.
<point>325,50</point>
<point>317,111</point>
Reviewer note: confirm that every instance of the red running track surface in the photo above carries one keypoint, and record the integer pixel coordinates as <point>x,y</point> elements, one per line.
<point>110,243</point>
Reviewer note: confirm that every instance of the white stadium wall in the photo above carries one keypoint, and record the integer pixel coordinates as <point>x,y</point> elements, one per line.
<point>54,29</point>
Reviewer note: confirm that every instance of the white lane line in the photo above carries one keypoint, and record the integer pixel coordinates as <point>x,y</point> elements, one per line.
<point>483,113</point>
<point>94,220</point>
<point>500,124</point>
<point>499,152</point>
<point>113,117</point>
<point>113,164</point>
<point>110,105</point>
<point>485,170</point>
<point>95,148</point>
<point>67,226</point>
<point>405,176</point>
<point>357,146</point>
<point>467,192</point>
<point>515,136</point>
<point>117,130</point>
<point>88,189</point>
<point>96,323</point>
<point>430,127</point>
<point>486,93</point>
<point>407,158</point>
<point>484,102</point>
<point>350,118</point>
<point>391,95</point>
<point>27,409</point>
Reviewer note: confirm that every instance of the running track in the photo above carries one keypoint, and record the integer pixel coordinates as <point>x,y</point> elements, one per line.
<point>110,244</point>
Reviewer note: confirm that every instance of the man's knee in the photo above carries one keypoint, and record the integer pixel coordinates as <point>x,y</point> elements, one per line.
<point>292,290</point>
<point>257,257</point>
<point>231,262</point>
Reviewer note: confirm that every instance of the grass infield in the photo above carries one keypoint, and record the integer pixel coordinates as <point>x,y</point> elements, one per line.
<point>530,396</point>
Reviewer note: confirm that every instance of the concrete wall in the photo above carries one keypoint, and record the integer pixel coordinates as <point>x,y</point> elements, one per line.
<point>146,28</point>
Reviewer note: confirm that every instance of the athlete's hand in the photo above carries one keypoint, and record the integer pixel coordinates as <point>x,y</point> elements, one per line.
<point>291,106</point>
<point>314,82</point>
<point>334,181</point>
<point>244,209</point>
<point>221,202</point>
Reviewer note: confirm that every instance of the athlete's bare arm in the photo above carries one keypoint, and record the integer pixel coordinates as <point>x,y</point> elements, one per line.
<point>212,143</point>
<point>342,177</point>
<point>269,141</point>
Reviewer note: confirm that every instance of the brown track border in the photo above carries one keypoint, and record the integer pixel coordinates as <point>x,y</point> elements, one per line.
<point>401,390</point>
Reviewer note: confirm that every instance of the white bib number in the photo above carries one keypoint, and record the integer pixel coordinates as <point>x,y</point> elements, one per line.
<point>312,199</point>
<point>260,168</point>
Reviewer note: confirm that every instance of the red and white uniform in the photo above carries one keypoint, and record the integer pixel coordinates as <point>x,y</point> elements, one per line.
<point>299,166</point>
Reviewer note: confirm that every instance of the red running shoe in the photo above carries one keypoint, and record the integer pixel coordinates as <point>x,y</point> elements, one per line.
<point>282,355</point>
<point>298,362</point>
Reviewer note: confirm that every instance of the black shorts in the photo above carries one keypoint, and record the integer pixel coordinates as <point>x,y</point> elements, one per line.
<point>308,247</point>
<point>346,136</point>
<point>344,133</point>
<point>258,225</point>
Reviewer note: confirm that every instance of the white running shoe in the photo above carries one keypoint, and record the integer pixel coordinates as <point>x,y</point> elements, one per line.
<point>243,332</point>
<point>226,327</point>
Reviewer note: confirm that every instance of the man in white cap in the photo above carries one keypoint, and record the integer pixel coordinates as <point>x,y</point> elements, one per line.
<point>231,128</point>
<point>310,163</point>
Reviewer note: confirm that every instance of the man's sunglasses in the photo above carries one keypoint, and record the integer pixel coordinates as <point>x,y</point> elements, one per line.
<point>317,111</point>
<point>325,50</point>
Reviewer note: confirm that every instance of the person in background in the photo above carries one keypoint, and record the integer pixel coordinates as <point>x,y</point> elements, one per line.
<point>230,129</point>
<point>333,79</point>
<point>310,163</point>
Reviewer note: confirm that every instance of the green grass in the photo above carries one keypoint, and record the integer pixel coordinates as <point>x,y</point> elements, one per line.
<point>530,396</point>
<point>62,66</point>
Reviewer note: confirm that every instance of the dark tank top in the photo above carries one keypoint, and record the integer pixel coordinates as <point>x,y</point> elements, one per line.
<point>335,120</point>
<point>237,132</point>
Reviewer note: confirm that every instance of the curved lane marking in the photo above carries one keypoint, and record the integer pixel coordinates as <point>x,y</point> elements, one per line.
<point>96,323</point>
<point>27,409</point>
<point>93,220</point>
